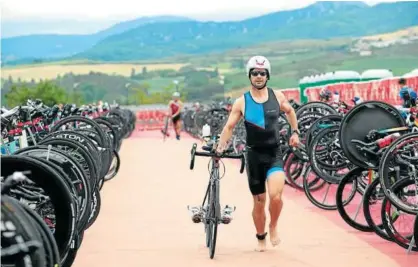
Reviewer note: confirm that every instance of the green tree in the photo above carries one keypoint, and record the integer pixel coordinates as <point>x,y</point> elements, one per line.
<point>196,79</point>
<point>138,97</point>
<point>77,98</point>
<point>91,92</point>
<point>49,92</point>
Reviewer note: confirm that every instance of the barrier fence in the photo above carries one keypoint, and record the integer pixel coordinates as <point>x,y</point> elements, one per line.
<point>151,119</point>
<point>386,90</point>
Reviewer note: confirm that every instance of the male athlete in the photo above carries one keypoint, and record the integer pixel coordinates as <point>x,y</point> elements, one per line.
<point>407,94</point>
<point>175,107</point>
<point>260,107</point>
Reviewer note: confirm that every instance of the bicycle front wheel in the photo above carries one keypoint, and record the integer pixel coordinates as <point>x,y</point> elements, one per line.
<point>214,218</point>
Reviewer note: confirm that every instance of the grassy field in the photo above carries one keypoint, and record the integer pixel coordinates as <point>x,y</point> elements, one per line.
<point>49,71</point>
<point>392,35</point>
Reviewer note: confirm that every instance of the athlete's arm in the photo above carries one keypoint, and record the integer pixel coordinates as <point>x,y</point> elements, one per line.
<point>288,109</point>
<point>169,107</point>
<point>233,119</point>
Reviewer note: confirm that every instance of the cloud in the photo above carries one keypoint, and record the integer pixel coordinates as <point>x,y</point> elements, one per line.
<point>99,9</point>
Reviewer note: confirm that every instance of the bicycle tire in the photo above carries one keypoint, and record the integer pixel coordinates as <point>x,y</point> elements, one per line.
<point>89,167</point>
<point>351,177</point>
<point>112,175</point>
<point>92,123</point>
<point>386,216</point>
<point>24,227</point>
<point>103,156</point>
<point>385,180</point>
<point>307,189</point>
<point>74,175</point>
<point>47,235</point>
<point>215,210</point>
<point>53,185</point>
<point>293,174</point>
<point>96,204</point>
<point>416,230</point>
<point>321,168</point>
<point>316,105</point>
<point>333,119</point>
<point>79,138</point>
<point>165,130</point>
<point>113,141</point>
<point>378,229</point>
<point>207,214</point>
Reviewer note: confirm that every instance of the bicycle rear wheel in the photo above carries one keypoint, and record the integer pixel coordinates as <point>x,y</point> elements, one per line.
<point>165,129</point>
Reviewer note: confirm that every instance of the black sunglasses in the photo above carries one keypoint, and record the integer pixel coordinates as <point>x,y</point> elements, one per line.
<point>256,73</point>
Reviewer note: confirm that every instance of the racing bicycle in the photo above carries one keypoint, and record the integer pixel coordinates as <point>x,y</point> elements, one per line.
<point>211,209</point>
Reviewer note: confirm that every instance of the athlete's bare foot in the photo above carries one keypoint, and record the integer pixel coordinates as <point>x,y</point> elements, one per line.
<point>274,237</point>
<point>261,246</point>
<point>262,243</point>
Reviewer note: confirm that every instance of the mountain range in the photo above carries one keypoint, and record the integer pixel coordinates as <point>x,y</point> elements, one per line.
<point>165,36</point>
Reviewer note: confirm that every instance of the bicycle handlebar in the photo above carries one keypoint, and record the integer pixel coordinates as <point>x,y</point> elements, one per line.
<point>209,153</point>
<point>215,155</point>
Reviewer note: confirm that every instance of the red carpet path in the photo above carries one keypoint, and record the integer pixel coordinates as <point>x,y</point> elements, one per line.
<point>144,220</point>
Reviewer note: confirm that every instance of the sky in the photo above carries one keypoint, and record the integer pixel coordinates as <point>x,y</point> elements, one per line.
<point>20,17</point>
<point>128,9</point>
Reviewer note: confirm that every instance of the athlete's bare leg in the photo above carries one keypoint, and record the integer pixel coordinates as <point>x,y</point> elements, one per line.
<point>259,217</point>
<point>275,186</point>
<point>177,128</point>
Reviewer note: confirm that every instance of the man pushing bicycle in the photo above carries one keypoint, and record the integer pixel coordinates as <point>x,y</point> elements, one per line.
<point>260,107</point>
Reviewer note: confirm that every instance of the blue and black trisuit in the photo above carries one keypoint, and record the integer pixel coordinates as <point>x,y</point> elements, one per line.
<point>263,153</point>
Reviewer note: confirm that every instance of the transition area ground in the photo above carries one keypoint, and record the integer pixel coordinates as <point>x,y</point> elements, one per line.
<point>144,220</point>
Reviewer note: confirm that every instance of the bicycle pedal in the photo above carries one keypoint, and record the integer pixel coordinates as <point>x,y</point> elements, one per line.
<point>196,213</point>
<point>196,218</point>
<point>226,219</point>
<point>229,208</point>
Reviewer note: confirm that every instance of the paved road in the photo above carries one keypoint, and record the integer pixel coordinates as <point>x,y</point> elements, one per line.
<point>144,220</point>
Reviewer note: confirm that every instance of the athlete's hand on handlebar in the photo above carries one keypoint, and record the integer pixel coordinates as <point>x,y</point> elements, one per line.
<point>220,148</point>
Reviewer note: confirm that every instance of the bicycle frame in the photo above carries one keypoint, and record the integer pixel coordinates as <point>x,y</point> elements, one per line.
<point>213,179</point>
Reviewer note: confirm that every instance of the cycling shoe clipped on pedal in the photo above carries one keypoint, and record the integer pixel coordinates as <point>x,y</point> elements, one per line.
<point>226,217</point>
<point>196,213</point>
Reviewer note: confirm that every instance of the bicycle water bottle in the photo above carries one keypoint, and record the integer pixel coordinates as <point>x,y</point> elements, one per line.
<point>206,130</point>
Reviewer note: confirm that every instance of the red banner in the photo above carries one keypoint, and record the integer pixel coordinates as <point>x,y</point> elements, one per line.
<point>292,93</point>
<point>150,119</point>
<point>386,90</point>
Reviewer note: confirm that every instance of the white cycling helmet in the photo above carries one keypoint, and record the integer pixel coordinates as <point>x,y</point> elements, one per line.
<point>176,94</point>
<point>258,62</point>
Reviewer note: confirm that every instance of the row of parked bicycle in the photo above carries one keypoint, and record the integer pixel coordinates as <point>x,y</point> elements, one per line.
<point>360,160</point>
<point>54,163</point>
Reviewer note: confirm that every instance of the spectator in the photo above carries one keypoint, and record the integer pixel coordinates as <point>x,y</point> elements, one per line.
<point>407,94</point>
